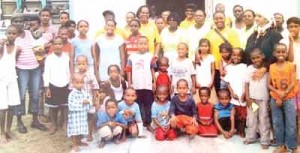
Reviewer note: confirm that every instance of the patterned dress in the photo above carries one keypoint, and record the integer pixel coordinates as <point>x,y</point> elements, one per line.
<point>77,117</point>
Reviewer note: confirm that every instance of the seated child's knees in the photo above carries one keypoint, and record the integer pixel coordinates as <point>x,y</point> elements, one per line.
<point>192,130</point>
<point>105,132</point>
<point>172,135</point>
<point>133,130</point>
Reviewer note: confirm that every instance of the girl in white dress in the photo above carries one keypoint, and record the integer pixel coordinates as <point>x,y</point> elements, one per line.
<point>205,65</point>
<point>8,83</point>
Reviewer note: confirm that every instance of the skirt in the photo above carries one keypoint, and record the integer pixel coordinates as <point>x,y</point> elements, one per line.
<point>59,96</point>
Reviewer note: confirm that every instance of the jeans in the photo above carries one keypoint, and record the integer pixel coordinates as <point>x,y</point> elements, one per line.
<point>28,79</point>
<point>284,122</point>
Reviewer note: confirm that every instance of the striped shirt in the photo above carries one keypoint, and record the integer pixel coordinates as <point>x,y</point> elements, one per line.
<point>26,59</point>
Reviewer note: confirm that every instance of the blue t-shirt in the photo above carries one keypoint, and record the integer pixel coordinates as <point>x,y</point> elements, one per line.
<point>103,118</point>
<point>161,112</point>
<point>83,47</point>
<point>134,108</point>
<point>223,111</point>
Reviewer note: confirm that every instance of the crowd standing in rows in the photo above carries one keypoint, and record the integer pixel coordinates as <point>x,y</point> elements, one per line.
<point>158,74</point>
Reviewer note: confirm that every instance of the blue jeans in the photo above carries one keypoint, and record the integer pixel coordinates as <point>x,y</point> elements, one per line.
<point>284,122</point>
<point>28,79</point>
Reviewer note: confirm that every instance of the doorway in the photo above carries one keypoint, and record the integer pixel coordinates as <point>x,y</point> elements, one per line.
<point>174,6</point>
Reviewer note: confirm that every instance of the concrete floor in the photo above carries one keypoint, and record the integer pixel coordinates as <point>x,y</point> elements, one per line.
<point>181,145</point>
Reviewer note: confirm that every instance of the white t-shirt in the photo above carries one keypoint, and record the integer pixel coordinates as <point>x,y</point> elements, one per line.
<point>236,77</point>
<point>193,37</point>
<point>258,89</point>
<point>183,69</point>
<point>203,71</point>
<point>141,70</point>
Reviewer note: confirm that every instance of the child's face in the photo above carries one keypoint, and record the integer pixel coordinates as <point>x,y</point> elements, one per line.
<point>257,59</point>
<point>163,65</point>
<point>204,48</point>
<point>165,14</point>
<point>224,99</point>
<point>129,18</point>
<point>225,54</point>
<point>110,27</point>
<point>83,28</point>
<point>63,19</point>
<point>236,56</point>
<point>34,25</point>
<point>81,64</point>
<point>204,96</point>
<point>134,27</point>
<point>142,45</point>
<point>72,28</point>
<point>64,33</point>
<point>182,50</point>
<point>78,83</point>
<point>294,29</point>
<point>280,53</point>
<point>12,34</point>
<point>114,73</point>
<point>130,97</point>
<point>19,22</point>
<point>111,109</point>
<point>182,88</point>
<point>57,45</point>
<point>162,94</point>
<point>45,17</point>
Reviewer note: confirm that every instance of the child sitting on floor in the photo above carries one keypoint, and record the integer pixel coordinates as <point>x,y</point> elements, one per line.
<point>205,114</point>
<point>110,123</point>
<point>224,114</point>
<point>183,110</point>
<point>131,112</point>
<point>160,117</point>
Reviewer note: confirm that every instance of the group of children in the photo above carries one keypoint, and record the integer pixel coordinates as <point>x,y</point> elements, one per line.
<point>158,95</point>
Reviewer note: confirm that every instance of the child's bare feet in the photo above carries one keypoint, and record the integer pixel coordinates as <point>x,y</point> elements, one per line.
<point>89,138</point>
<point>102,143</point>
<point>80,143</point>
<point>192,136</point>
<point>247,142</point>
<point>264,147</point>
<point>3,139</point>
<point>52,130</point>
<point>11,135</point>
<point>280,149</point>
<point>75,148</point>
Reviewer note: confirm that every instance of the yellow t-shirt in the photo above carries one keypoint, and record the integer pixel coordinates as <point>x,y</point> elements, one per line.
<point>216,41</point>
<point>151,32</point>
<point>185,24</point>
<point>127,31</point>
<point>118,31</point>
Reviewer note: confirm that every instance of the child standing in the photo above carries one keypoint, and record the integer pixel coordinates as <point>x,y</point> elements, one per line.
<point>160,117</point>
<point>90,86</point>
<point>56,79</point>
<point>140,74</point>
<point>79,103</point>
<point>183,110</point>
<point>116,84</point>
<point>8,83</point>
<point>206,114</point>
<point>182,68</point>
<point>283,88</point>
<point>131,112</point>
<point>82,46</point>
<point>225,51</point>
<point>236,77</point>
<point>205,68</point>
<point>224,114</point>
<point>110,123</point>
<point>257,98</point>
<point>162,76</point>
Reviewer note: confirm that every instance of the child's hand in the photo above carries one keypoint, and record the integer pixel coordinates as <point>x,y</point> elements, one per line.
<point>278,103</point>
<point>258,74</point>
<point>235,96</point>
<point>226,135</point>
<point>171,90</point>
<point>281,94</point>
<point>249,103</point>
<point>48,92</point>
<point>85,102</point>
<point>153,87</point>
<point>231,132</point>
<point>173,121</point>
<point>112,124</point>
<point>193,90</point>
<point>166,128</point>
<point>194,122</point>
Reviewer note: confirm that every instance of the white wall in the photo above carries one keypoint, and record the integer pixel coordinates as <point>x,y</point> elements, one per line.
<point>91,10</point>
<point>287,7</point>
